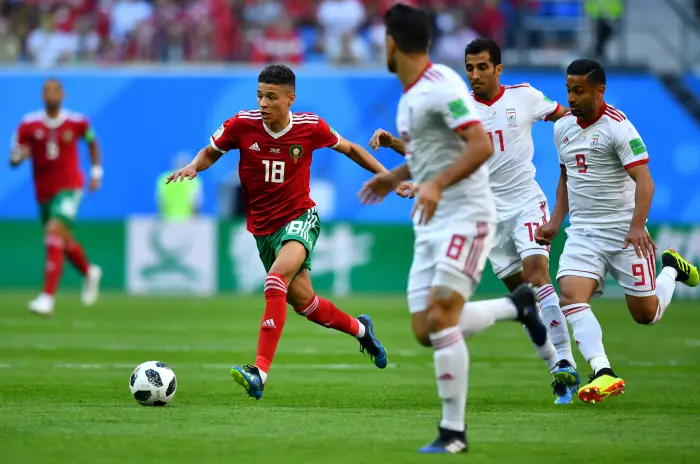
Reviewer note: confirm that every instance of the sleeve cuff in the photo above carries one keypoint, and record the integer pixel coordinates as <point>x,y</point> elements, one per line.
<point>636,163</point>
<point>546,118</point>
<point>213,145</point>
<point>465,125</point>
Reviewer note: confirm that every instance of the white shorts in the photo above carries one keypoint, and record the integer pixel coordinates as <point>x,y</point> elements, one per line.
<point>593,253</point>
<point>515,239</point>
<point>452,256</point>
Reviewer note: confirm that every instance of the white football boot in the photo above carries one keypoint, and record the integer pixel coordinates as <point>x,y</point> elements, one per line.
<point>91,285</point>
<point>42,305</point>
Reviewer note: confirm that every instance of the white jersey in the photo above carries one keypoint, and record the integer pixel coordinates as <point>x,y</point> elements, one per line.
<point>430,112</point>
<point>596,156</point>
<point>508,119</point>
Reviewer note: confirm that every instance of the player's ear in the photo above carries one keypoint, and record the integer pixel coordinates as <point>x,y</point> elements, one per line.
<point>499,69</point>
<point>600,90</point>
<point>292,96</point>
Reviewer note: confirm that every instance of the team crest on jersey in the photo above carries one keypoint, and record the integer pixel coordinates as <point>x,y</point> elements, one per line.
<point>67,136</point>
<point>511,117</point>
<point>594,140</point>
<point>295,151</point>
<point>38,134</point>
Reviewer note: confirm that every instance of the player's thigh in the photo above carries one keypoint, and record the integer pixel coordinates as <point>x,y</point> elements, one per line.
<point>292,245</point>
<point>535,257</point>
<point>60,212</point>
<point>300,290</point>
<point>462,250</point>
<point>575,289</point>
<point>504,257</point>
<point>636,276</point>
<point>581,258</point>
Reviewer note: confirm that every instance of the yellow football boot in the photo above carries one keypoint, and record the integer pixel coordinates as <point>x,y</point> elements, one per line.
<point>687,273</point>
<point>600,388</point>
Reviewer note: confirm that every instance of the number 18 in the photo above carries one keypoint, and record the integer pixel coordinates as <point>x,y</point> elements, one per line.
<point>274,171</point>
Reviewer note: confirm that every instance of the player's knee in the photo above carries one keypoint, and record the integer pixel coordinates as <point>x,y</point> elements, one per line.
<point>440,316</point>
<point>422,335</point>
<point>419,323</point>
<point>539,278</point>
<point>57,228</point>
<point>644,314</point>
<point>536,270</point>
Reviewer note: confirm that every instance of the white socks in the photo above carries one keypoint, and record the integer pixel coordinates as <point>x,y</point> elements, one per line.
<point>451,360</point>
<point>555,322</point>
<point>665,285</point>
<point>588,334</point>
<point>478,316</point>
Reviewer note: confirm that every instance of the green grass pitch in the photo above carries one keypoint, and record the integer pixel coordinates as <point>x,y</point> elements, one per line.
<point>64,394</point>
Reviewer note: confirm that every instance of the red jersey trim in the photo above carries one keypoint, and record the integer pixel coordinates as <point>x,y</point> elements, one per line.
<point>420,76</point>
<point>614,114</point>
<point>546,118</point>
<point>494,100</point>
<point>213,145</point>
<point>587,124</point>
<point>465,125</point>
<point>636,163</point>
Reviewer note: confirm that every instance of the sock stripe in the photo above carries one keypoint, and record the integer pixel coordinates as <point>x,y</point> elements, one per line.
<point>448,340</point>
<point>310,308</point>
<point>275,282</point>
<point>545,291</point>
<point>573,309</point>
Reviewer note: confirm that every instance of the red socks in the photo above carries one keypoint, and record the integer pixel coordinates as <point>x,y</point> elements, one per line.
<point>54,263</point>
<point>325,313</point>
<point>272,321</point>
<point>76,255</point>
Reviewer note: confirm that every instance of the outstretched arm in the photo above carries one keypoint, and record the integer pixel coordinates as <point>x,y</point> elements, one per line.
<point>360,156</point>
<point>382,138</point>
<point>204,159</point>
<point>96,172</point>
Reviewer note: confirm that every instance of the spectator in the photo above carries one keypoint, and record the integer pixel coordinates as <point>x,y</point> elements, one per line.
<point>263,13</point>
<point>340,21</point>
<point>280,43</point>
<point>605,14</point>
<point>87,40</point>
<point>126,15</point>
<point>456,34</point>
<point>47,46</point>
<point>9,43</point>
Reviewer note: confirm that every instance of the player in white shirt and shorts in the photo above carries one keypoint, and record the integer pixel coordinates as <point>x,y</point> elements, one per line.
<point>607,188</point>
<point>446,149</point>
<point>508,113</point>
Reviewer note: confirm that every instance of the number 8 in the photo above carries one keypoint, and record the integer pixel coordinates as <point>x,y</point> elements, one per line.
<point>51,150</point>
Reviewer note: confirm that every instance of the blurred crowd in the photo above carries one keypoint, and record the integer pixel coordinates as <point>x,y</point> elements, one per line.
<point>53,32</point>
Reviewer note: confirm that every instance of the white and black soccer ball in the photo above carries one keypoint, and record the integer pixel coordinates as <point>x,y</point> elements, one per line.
<point>153,384</point>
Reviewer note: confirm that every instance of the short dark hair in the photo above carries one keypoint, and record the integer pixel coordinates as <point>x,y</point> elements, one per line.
<point>409,27</point>
<point>484,44</point>
<point>593,71</point>
<point>277,74</point>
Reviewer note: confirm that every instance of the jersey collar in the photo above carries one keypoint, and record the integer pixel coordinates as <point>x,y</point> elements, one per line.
<point>494,100</point>
<point>587,124</point>
<point>420,76</point>
<point>54,123</point>
<point>276,135</point>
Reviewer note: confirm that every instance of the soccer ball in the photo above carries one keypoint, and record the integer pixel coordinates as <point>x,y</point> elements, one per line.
<point>153,384</point>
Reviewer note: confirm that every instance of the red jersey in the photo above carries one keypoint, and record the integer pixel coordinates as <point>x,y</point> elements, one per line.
<point>275,168</point>
<point>53,145</point>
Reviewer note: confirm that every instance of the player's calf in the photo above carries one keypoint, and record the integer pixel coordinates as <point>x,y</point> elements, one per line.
<point>643,309</point>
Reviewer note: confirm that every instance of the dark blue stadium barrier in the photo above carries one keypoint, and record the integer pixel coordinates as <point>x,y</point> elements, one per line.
<point>144,118</point>
<point>693,81</point>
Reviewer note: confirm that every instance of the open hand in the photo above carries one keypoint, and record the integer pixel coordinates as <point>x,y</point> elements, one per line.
<point>429,195</point>
<point>188,172</point>
<point>641,240</point>
<point>379,186</point>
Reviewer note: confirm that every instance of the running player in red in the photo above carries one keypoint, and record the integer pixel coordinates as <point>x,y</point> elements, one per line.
<point>275,158</point>
<point>50,138</point>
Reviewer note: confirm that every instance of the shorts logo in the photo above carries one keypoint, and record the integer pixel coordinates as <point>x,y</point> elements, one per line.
<point>566,140</point>
<point>511,117</point>
<point>295,151</point>
<point>594,140</point>
<point>67,136</point>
